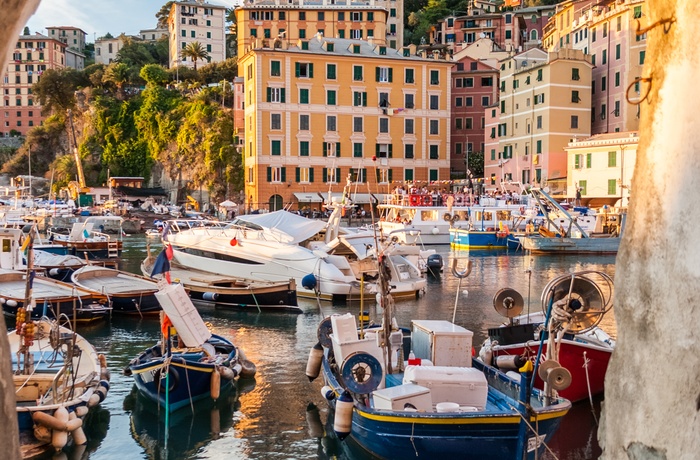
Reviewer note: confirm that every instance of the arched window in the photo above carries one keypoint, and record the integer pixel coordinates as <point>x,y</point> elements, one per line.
<point>276,203</point>
<point>533,34</point>
<point>534,19</point>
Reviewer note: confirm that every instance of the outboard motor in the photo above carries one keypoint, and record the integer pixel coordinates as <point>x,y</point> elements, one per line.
<point>435,263</point>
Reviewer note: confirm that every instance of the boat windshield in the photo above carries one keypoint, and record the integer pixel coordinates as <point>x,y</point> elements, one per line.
<point>238,223</point>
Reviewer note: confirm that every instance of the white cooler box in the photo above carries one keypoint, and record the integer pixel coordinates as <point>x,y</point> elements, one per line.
<point>465,386</point>
<point>403,397</point>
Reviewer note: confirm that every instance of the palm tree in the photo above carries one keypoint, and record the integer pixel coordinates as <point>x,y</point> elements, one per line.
<point>194,51</point>
<point>117,73</point>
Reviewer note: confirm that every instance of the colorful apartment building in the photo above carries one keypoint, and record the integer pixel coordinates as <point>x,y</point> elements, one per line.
<point>474,87</point>
<point>73,37</point>
<point>107,48</point>
<point>196,21</point>
<point>324,109</point>
<point>607,31</point>
<point>33,55</point>
<point>545,101</point>
<point>280,23</point>
<point>602,167</point>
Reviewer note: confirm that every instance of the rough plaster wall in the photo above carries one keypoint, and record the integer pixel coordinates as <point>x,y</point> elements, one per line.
<point>652,388</point>
<point>13,16</point>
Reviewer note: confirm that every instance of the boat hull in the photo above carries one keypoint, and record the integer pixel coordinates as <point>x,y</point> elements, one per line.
<point>608,245</point>
<point>92,250</point>
<point>135,304</point>
<point>469,239</point>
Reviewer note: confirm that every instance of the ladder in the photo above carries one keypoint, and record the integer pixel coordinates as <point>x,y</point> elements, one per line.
<point>112,249</point>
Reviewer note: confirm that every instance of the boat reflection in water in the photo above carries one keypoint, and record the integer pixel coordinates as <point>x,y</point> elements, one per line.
<point>189,430</point>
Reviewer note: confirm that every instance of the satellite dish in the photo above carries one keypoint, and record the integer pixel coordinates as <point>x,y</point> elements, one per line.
<point>587,303</point>
<point>508,303</point>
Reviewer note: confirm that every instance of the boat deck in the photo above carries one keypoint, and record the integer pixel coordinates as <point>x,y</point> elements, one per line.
<point>110,282</point>
<point>15,288</point>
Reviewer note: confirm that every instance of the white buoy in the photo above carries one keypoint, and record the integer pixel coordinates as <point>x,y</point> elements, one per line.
<point>328,393</point>
<point>342,423</point>
<point>313,365</point>
<point>59,438</point>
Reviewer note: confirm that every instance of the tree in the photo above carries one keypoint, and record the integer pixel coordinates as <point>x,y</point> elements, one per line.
<point>56,89</point>
<point>46,143</point>
<point>154,74</point>
<point>218,71</point>
<point>162,15</point>
<point>194,51</point>
<point>26,31</point>
<point>117,74</point>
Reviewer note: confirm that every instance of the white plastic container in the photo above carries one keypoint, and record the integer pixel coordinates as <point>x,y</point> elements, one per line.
<point>465,386</point>
<point>183,314</point>
<point>446,407</point>
<point>344,327</point>
<point>442,342</point>
<point>403,397</point>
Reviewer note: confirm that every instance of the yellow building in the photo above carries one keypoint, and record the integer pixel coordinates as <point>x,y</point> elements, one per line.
<point>545,102</point>
<point>288,24</point>
<point>324,109</point>
<point>196,21</point>
<point>602,167</point>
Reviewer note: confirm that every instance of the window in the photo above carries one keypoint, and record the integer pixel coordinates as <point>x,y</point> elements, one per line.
<point>356,16</point>
<point>384,74</point>
<point>603,83</point>
<point>487,81</point>
<point>321,16</point>
<point>341,16</point>
<point>275,69</point>
<point>605,57</point>
<point>282,15</point>
<point>617,51</point>
<point>574,121</point>
<point>434,77</point>
<point>509,34</point>
<point>357,73</point>
<point>383,150</point>
<point>641,57</point>
<point>603,110</point>
<point>331,123</point>
<point>276,174</point>
<point>408,76</point>
<point>458,124</point>
<point>275,121</point>
<point>617,79</point>
<point>357,124</point>
<point>392,12</point>
<point>408,151</point>
<point>304,148</point>
<point>468,82</point>
<point>434,127</point>
<point>539,147</point>
<point>434,102</point>
<point>193,34</point>
<point>408,101</point>
<point>304,122</point>
<point>383,125</point>
<point>485,101</point>
<point>575,74</point>
<point>458,148</point>
<point>468,123</point>
<point>574,97</point>
<point>357,150</point>
<point>276,148</point>
<point>589,157</point>
<point>302,15</point>
<point>304,70</point>
<point>359,99</point>
<point>539,74</point>
<point>468,101</point>
<point>408,126</point>
<point>458,102</point>
<point>612,186</point>
<point>356,34</point>
<point>275,95</point>
<point>408,174</point>
<point>266,33</point>
<point>434,152</point>
<point>593,59</point>
<point>612,159</point>
<point>304,96</point>
<point>331,97</point>
<point>330,47</point>
<point>605,30</point>
<point>330,71</point>
<point>331,149</point>
<point>302,35</point>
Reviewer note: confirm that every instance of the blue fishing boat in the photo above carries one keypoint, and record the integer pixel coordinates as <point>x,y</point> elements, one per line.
<point>491,226</point>
<point>439,402</point>
<point>191,363</point>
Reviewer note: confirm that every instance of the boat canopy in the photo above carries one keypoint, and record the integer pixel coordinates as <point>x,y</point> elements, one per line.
<point>299,228</point>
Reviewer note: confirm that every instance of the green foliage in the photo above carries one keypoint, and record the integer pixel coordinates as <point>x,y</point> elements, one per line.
<point>46,142</point>
<point>117,74</point>
<point>218,71</point>
<point>162,15</point>
<point>154,74</point>
<point>56,89</point>
<point>194,51</point>
<point>137,54</point>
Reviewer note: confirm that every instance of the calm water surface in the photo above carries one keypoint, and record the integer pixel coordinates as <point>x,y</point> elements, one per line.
<point>280,414</point>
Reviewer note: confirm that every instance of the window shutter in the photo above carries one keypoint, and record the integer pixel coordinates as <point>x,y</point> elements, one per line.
<point>325,149</point>
<point>364,174</point>
<point>311,174</point>
<point>337,149</point>
<point>376,171</point>
<point>391,148</point>
<point>282,95</point>
<point>296,69</point>
<point>337,174</point>
<point>284,174</point>
<point>389,172</point>
<point>269,174</point>
<point>311,71</point>
<point>364,99</point>
<point>298,174</point>
<point>377,73</point>
<point>269,94</point>
<point>391,74</point>
<point>325,174</point>
<point>376,152</point>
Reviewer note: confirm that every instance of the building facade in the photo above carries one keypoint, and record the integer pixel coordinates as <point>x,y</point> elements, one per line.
<point>32,56</point>
<point>602,167</point>
<point>196,21</point>
<point>152,35</point>
<point>106,49</point>
<point>73,37</point>
<point>544,103</point>
<point>323,110</point>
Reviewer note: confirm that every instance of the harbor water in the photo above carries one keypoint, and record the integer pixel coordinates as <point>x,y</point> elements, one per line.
<point>281,415</point>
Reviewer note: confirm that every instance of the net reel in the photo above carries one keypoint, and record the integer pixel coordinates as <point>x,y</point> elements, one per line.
<point>508,303</point>
<point>580,299</point>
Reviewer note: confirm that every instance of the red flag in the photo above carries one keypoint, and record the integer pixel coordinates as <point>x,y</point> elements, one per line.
<point>169,252</point>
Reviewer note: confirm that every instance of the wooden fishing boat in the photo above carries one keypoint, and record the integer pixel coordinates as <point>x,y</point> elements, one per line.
<point>230,292</point>
<point>52,298</point>
<point>191,363</point>
<point>128,294</point>
<point>88,241</point>
<point>439,403</point>
<point>58,376</point>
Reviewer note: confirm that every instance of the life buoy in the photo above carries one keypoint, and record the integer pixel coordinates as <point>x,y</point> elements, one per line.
<point>459,199</point>
<point>414,200</point>
<point>501,234</point>
<point>447,217</point>
<point>427,200</point>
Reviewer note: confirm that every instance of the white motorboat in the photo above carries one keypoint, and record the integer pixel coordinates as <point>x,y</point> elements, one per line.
<point>325,260</point>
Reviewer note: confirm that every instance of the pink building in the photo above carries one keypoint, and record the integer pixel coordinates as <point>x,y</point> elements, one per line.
<point>474,87</point>
<point>492,156</point>
<point>32,55</point>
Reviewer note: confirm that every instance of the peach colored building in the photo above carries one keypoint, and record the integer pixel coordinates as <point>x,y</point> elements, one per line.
<point>544,103</point>
<point>196,21</point>
<point>73,37</point>
<point>33,55</point>
<point>322,110</point>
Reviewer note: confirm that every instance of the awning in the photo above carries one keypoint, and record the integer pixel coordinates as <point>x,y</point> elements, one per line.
<point>308,197</point>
